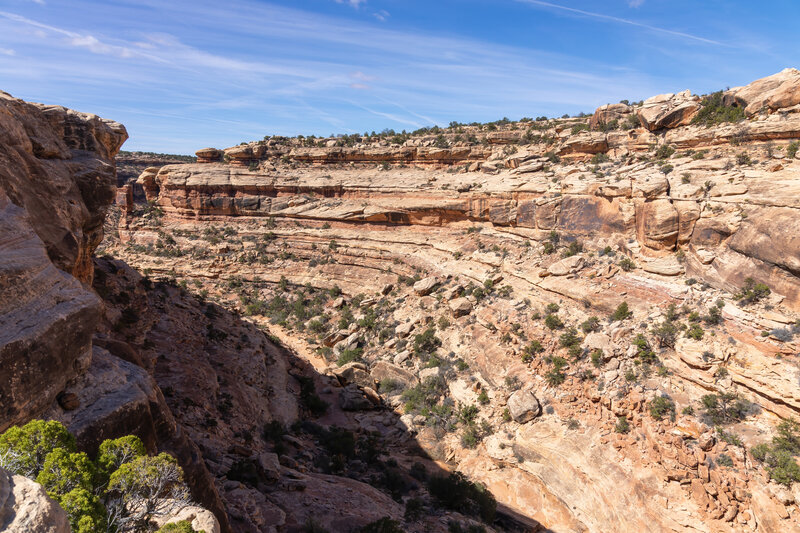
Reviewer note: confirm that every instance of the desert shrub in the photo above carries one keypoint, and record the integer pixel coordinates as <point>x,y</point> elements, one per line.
<point>695,332</point>
<point>778,457</point>
<point>665,334</point>
<point>553,322</point>
<point>533,348</point>
<point>384,525</point>
<point>569,338</point>
<point>597,357</point>
<point>621,312</point>
<point>661,406</point>
<point>600,158</point>
<point>791,149</point>
<point>664,151</point>
<point>121,491</point>
<point>25,448</point>
<point>725,408</point>
<point>590,324</point>
<point>577,128</point>
<point>622,425</point>
<point>713,111</point>
<point>644,352</point>
<point>348,356</point>
<point>459,494</point>
<point>627,264</point>
<point>426,342</point>
<point>309,398</point>
<point>574,248</point>
<point>753,292</point>
<point>725,460</point>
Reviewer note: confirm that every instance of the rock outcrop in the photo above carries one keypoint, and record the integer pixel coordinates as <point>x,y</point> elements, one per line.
<point>26,508</point>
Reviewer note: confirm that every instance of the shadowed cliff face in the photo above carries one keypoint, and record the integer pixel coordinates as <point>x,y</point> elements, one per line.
<point>500,244</point>
<point>56,183</point>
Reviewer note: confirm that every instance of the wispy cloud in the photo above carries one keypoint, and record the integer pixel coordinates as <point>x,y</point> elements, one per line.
<point>620,20</point>
<point>354,3</point>
<point>201,73</point>
<point>381,15</point>
<point>635,3</point>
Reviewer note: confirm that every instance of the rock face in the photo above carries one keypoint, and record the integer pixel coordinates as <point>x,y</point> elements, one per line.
<point>772,93</point>
<point>68,179</point>
<point>26,508</point>
<point>47,319</point>
<point>668,110</point>
<point>56,183</point>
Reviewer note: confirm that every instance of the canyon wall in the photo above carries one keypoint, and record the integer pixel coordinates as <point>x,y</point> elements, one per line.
<point>488,238</point>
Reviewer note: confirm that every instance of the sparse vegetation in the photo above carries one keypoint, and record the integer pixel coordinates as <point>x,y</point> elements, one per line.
<point>713,111</point>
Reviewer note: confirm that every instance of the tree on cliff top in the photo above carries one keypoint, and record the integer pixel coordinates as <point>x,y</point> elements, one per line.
<point>122,490</point>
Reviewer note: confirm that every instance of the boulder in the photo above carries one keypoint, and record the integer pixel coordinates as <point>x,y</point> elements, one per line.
<point>666,266</point>
<point>200,519</point>
<point>426,286</point>
<point>383,370</point>
<point>353,373</point>
<point>566,266</point>
<point>657,224</point>
<point>26,508</point>
<point>523,406</point>
<point>460,307</point>
<point>668,110</point>
<point>352,399</point>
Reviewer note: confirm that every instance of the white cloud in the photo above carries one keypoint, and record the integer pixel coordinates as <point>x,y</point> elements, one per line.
<point>353,3</point>
<point>635,3</point>
<point>381,15</point>
<point>8,51</point>
<point>619,20</point>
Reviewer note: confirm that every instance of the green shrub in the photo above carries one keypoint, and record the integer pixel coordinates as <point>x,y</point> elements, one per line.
<point>725,460</point>
<point>597,357</point>
<point>622,425</point>
<point>713,111</point>
<point>553,322</point>
<point>457,493</point>
<point>569,338</point>
<point>695,332</point>
<point>644,352</point>
<point>664,151</point>
<point>621,312</point>
<point>753,292</point>
<point>791,149</point>
<point>426,342</point>
<point>384,525</point>
<point>26,447</point>
<point>665,334</point>
<point>725,408</point>
<point>600,158</point>
<point>577,128</point>
<point>626,264</point>
<point>590,324</point>
<point>661,407</point>
<point>533,348</point>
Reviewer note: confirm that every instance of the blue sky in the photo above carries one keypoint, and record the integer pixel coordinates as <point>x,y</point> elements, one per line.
<point>184,74</point>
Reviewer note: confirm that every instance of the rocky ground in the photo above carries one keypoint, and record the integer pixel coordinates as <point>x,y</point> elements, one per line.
<point>543,305</point>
